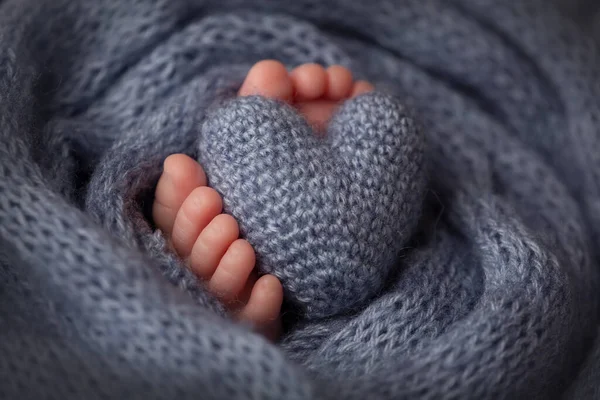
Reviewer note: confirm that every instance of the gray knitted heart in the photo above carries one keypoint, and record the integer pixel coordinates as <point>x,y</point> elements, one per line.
<point>327,215</point>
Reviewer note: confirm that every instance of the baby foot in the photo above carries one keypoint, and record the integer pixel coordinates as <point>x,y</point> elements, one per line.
<point>189,213</point>
<point>315,91</point>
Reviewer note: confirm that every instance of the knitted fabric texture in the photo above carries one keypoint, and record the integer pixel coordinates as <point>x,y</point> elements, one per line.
<point>440,242</point>
<point>328,217</point>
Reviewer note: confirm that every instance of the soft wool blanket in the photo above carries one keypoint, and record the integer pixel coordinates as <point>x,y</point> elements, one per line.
<point>441,242</point>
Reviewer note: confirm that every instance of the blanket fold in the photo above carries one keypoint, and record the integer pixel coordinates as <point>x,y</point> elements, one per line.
<point>439,242</point>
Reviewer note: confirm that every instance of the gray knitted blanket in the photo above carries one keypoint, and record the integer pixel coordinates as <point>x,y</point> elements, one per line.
<point>442,241</point>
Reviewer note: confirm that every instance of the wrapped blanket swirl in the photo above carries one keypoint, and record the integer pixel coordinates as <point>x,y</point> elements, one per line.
<point>440,243</point>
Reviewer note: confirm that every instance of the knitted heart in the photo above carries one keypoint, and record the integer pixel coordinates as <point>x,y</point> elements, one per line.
<point>326,215</point>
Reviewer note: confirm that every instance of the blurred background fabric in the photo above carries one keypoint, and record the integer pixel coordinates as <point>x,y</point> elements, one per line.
<point>495,293</point>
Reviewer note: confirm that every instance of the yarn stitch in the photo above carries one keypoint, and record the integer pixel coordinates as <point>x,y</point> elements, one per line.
<point>441,242</point>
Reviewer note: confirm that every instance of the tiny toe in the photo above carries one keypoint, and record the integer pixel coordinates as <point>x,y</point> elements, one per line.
<point>196,212</point>
<point>265,302</point>
<point>339,84</point>
<point>234,269</point>
<point>181,175</point>
<point>361,87</point>
<point>310,82</point>
<point>268,78</point>
<point>211,245</point>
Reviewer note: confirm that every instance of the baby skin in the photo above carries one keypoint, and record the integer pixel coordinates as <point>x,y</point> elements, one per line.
<point>191,214</point>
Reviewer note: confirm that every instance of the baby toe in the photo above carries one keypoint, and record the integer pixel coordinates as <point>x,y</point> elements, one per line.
<point>181,175</point>
<point>339,83</point>
<point>211,245</point>
<point>310,82</point>
<point>270,79</point>
<point>198,209</point>
<point>361,87</point>
<point>264,305</point>
<point>233,271</point>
